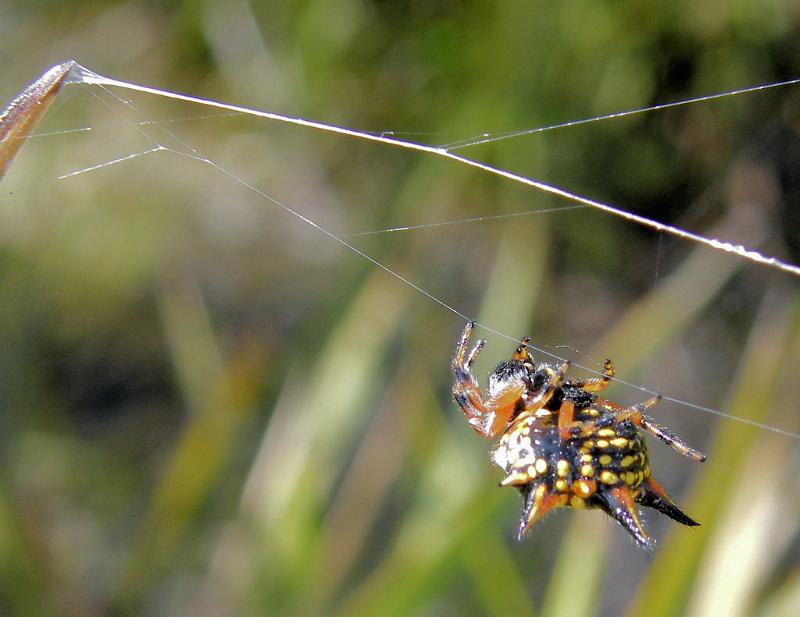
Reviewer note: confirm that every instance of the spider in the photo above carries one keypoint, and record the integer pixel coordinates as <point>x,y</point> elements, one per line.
<point>560,444</point>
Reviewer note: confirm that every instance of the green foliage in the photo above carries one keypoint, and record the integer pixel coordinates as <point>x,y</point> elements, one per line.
<point>208,407</point>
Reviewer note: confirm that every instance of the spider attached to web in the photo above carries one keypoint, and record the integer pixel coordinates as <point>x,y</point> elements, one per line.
<point>560,444</point>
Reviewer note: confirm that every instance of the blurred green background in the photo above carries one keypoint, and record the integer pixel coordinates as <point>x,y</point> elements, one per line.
<point>207,407</point>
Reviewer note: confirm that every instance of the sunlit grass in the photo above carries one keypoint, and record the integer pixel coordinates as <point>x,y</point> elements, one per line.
<point>206,407</point>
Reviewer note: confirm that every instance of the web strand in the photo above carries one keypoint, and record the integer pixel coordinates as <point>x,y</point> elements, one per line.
<point>193,153</point>
<point>475,219</point>
<point>490,137</point>
<point>122,159</point>
<point>89,77</point>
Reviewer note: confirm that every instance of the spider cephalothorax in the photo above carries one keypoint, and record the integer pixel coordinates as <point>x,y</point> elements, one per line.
<point>560,444</point>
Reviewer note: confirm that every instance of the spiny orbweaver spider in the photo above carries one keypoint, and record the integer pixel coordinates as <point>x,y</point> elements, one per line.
<point>560,444</point>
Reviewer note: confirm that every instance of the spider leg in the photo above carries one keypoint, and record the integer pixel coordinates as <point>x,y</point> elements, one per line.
<point>468,397</point>
<point>473,413</point>
<point>487,418</point>
<point>566,415</point>
<point>466,391</point>
<point>500,408</point>
<point>476,349</point>
<point>522,351</point>
<point>595,384</point>
<point>560,372</point>
<point>535,404</point>
<point>635,414</point>
<point>671,439</point>
<point>618,503</point>
<point>567,425</point>
<point>656,497</point>
<point>468,385</point>
<point>459,361</point>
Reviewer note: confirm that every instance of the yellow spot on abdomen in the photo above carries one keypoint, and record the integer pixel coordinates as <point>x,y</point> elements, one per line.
<point>562,468</point>
<point>608,477</point>
<point>605,460</point>
<point>587,470</point>
<point>627,461</point>
<point>583,488</point>
<point>541,465</point>
<point>577,502</point>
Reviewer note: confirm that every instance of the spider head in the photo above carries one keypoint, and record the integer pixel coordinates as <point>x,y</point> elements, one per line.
<point>512,372</point>
<point>538,379</point>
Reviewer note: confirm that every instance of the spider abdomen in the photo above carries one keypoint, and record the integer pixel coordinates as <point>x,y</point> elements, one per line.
<point>604,465</point>
<point>611,455</point>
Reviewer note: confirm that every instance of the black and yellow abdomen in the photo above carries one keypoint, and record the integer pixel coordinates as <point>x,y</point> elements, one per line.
<point>603,465</point>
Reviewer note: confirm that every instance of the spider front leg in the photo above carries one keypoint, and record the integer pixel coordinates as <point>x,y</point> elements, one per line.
<point>594,384</point>
<point>501,407</point>
<point>521,354</point>
<point>635,414</point>
<point>566,426</point>
<point>466,390</point>
<point>489,417</point>
<point>566,413</point>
